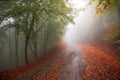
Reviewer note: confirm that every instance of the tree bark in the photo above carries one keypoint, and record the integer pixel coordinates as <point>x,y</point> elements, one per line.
<point>26,50</point>
<point>16,45</point>
<point>28,34</point>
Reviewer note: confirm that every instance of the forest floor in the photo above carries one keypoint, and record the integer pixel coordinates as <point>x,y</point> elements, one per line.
<point>70,62</point>
<point>101,63</point>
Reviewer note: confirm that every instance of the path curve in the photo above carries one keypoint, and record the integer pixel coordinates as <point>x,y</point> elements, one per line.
<point>69,62</point>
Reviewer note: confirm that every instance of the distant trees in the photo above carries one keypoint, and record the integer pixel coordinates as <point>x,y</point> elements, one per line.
<point>3,37</point>
<point>110,10</point>
<point>112,32</point>
<point>35,19</point>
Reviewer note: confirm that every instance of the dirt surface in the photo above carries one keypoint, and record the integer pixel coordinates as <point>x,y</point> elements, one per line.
<point>69,62</point>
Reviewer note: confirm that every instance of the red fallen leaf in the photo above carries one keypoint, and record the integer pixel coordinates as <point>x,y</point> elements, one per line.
<point>100,64</point>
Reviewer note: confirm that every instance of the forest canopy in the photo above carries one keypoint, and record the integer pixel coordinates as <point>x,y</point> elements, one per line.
<point>35,19</point>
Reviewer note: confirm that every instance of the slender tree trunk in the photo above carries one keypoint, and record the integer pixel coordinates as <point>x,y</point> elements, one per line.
<point>26,40</point>
<point>35,46</point>
<point>26,50</point>
<point>44,41</point>
<point>16,45</point>
<point>33,50</point>
<point>47,40</point>
<point>10,55</point>
<point>28,34</point>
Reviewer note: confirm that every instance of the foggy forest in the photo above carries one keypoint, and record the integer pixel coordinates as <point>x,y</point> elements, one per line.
<point>59,39</point>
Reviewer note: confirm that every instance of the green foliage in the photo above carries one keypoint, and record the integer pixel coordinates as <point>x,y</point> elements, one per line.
<point>32,17</point>
<point>41,9</point>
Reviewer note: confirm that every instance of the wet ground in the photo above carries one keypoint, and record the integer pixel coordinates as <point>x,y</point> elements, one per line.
<point>69,62</point>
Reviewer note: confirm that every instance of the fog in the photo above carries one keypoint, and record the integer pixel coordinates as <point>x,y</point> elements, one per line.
<point>89,25</point>
<point>79,31</point>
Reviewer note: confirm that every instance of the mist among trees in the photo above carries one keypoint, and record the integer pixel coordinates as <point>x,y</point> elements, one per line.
<point>30,29</point>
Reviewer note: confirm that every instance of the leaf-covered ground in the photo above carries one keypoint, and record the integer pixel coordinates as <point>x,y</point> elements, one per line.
<point>100,65</point>
<point>69,62</point>
<point>28,71</point>
<point>64,63</point>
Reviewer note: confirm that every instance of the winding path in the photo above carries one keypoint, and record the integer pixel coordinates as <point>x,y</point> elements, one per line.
<point>69,62</point>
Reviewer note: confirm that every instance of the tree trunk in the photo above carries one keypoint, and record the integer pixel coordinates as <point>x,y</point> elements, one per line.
<point>28,34</point>
<point>44,41</point>
<point>10,55</point>
<point>35,46</point>
<point>26,51</point>
<point>33,50</point>
<point>16,45</point>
